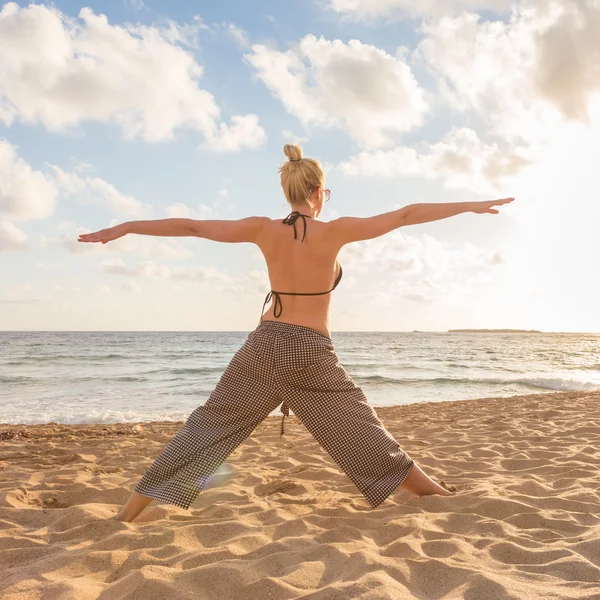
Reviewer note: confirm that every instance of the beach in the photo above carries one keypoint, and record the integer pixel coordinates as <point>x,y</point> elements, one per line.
<point>280,520</point>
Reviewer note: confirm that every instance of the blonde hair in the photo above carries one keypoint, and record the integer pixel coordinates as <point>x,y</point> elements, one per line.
<point>299,176</point>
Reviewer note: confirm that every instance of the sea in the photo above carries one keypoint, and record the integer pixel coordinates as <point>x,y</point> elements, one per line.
<point>122,377</point>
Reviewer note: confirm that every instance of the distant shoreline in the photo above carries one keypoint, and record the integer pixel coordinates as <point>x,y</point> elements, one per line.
<point>494,331</point>
<point>190,331</point>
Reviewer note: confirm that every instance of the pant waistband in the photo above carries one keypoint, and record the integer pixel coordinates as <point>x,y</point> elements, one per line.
<point>282,325</point>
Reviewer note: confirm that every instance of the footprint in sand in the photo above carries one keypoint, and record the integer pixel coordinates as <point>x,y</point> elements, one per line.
<point>297,469</point>
<point>52,502</point>
<point>284,485</point>
<point>450,488</point>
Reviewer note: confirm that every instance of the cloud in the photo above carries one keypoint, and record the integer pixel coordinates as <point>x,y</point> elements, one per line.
<point>178,210</point>
<point>19,293</point>
<point>244,132</point>
<point>249,282</point>
<point>524,77</point>
<point>422,268</point>
<point>568,59</point>
<point>137,4</point>
<point>60,72</point>
<point>357,87</point>
<point>130,285</point>
<point>461,159</point>
<point>292,138</point>
<point>140,245</point>
<point>142,269</point>
<point>372,9</point>
<point>11,238</point>
<point>151,269</point>
<point>24,192</point>
<point>101,289</point>
<point>94,190</point>
<point>237,34</point>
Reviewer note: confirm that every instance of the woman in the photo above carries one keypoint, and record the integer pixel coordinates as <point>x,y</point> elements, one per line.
<point>289,358</point>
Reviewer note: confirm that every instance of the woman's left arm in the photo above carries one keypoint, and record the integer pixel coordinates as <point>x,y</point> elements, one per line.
<point>240,230</point>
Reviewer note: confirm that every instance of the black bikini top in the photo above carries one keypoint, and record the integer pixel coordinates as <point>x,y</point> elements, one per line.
<point>291,220</point>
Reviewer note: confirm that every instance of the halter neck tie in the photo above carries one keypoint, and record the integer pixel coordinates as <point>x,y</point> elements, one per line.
<point>293,217</point>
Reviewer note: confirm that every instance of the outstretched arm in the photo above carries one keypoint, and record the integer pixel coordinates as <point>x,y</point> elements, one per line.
<point>355,229</point>
<point>240,230</point>
<point>425,213</point>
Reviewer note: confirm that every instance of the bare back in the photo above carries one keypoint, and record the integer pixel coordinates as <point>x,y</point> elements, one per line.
<point>296,266</point>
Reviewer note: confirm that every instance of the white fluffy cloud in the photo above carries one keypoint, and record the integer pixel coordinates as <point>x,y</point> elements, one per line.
<point>61,71</point>
<point>369,9</point>
<point>178,210</point>
<point>129,244</point>
<point>244,131</point>
<point>24,192</point>
<point>94,190</point>
<point>250,282</point>
<point>354,86</point>
<point>11,237</point>
<point>520,80</point>
<point>522,77</point>
<point>151,269</point>
<point>461,159</point>
<point>422,268</point>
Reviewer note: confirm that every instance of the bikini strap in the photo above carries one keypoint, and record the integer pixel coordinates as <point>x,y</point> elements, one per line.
<point>338,279</point>
<point>292,218</point>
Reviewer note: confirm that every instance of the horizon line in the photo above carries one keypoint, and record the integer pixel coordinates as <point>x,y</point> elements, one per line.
<point>464,330</point>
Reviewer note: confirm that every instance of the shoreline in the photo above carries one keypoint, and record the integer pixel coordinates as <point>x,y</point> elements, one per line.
<point>378,409</point>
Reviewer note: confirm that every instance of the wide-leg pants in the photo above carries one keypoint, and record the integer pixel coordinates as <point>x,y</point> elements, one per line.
<point>297,367</point>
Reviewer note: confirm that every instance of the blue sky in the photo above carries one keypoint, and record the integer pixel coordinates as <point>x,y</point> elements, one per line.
<point>117,111</point>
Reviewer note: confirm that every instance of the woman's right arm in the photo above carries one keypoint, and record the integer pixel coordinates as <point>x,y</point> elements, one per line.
<point>354,229</point>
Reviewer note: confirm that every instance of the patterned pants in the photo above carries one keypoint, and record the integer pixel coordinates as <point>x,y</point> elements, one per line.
<point>297,367</point>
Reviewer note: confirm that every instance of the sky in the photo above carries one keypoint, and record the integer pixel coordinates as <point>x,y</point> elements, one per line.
<point>129,110</point>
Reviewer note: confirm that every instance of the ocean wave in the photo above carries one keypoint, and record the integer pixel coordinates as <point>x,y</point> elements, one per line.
<point>556,383</point>
<point>94,417</point>
<point>187,370</point>
<point>126,358</point>
<point>550,383</point>
<point>101,416</point>
<point>24,360</point>
<point>16,379</point>
<point>101,378</point>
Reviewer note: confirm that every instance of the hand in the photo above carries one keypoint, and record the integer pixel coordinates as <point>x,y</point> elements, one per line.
<point>486,206</point>
<point>105,235</point>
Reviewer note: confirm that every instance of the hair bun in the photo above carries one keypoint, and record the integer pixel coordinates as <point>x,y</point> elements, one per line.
<point>293,152</point>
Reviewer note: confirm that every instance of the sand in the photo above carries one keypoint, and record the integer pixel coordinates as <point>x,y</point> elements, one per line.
<point>280,520</point>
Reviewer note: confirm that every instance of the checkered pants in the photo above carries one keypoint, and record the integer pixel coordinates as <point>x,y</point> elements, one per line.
<point>297,367</point>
